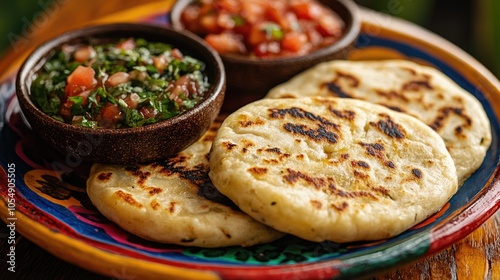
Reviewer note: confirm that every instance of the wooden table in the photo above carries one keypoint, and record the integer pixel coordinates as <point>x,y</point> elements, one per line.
<point>475,257</point>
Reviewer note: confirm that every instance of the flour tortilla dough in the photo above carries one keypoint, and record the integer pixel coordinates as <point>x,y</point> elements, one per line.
<point>174,201</point>
<point>331,169</point>
<point>404,86</point>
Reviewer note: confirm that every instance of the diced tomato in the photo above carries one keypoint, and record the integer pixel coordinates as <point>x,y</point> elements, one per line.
<point>189,18</point>
<point>258,23</point>
<point>81,79</point>
<point>138,75</point>
<point>242,29</point>
<point>225,43</point>
<point>294,41</point>
<point>276,13</point>
<point>229,6</point>
<point>189,86</point>
<point>160,62</point>
<point>329,25</point>
<point>132,100</point>
<point>209,23</point>
<point>82,76</point>
<point>182,81</point>
<point>148,113</point>
<point>292,21</point>
<point>175,95</point>
<point>252,11</point>
<point>225,21</point>
<point>177,54</point>
<point>118,78</point>
<point>182,87</point>
<point>306,10</point>
<point>67,49</point>
<point>257,34</point>
<point>314,37</point>
<point>72,89</point>
<point>110,115</point>
<point>84,53</point>
<point>128,44</point>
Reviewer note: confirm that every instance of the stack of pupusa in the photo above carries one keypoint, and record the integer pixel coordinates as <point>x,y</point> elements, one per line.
<point>318,168</point>
<point>329,168</point>
<point>173,201</point>
<point>405,86</point>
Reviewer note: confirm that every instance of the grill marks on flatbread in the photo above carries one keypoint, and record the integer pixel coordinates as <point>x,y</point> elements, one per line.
<point>407,87</point>
<point>331,169</point>
<point>174,201</point>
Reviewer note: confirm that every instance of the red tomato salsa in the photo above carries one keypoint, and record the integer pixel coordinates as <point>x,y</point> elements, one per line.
<point>263,28</point>
<point>128,83</point>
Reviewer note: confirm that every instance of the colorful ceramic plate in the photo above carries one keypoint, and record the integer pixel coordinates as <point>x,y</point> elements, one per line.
<point>49,205</point>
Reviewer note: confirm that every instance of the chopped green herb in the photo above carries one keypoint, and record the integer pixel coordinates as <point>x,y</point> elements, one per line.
<point>120,85</point>
<point>274,31</point>
<point>238,20</point>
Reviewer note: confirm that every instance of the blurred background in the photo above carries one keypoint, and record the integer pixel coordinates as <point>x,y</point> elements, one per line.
<point>471,24</point>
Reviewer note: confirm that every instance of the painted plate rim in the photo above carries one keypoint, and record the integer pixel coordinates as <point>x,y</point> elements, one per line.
<point>473,214</point>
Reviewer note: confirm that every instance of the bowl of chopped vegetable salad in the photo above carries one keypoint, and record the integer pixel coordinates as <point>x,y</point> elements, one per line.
<point>264,43</point>
<point>121,93</point>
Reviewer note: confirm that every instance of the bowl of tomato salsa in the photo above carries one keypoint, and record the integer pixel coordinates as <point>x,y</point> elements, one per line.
<point>121,93</point>
<point>264,43</point>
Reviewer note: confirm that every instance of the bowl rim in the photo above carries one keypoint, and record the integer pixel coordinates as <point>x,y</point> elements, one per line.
<point>35,58</point>
<point>353,28</point>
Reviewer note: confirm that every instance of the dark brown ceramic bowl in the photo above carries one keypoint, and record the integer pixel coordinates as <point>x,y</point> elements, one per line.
<point>128,145</point>
<point>249,78</point>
